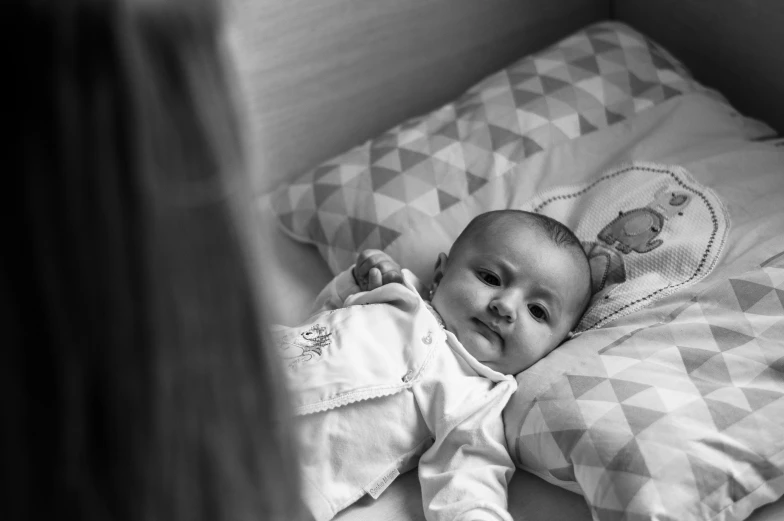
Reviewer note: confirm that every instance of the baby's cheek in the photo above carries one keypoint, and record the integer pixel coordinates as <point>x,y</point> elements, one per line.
<point>473,296</point>
<point>541,342</point>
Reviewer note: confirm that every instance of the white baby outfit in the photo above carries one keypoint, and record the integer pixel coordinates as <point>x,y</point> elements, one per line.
<point>379,386</point>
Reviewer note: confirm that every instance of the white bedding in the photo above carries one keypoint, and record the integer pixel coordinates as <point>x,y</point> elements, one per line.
<point>714,154</point>
<point>696,131</point>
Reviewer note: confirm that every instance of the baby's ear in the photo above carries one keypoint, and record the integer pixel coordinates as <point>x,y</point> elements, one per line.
<point>440,268</point>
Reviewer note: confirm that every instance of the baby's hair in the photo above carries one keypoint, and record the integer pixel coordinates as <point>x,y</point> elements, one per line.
<point>557,232</point>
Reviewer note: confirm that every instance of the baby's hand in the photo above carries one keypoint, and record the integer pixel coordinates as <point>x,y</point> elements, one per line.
<point>374,268</point>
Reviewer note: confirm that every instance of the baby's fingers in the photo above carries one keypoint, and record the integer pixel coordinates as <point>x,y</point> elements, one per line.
<point>375,279</point>
<point>392,275</point>
<point>390,271</point>
<point>367,260</point>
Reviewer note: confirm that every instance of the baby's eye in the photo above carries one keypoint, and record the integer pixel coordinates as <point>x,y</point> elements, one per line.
<point>537,311</point>
<point>489,278</point>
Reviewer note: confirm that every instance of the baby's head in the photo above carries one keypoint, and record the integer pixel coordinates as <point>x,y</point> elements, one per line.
<point>512,287</point>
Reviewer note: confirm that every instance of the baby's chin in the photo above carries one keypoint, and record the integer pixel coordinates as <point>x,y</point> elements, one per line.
<point>483,352</point>
<point>481,348</point>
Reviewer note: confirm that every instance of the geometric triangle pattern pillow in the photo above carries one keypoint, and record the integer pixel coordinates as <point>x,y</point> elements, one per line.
<point>376,192</point>
<point>680,421</point>
<point>649,230</point>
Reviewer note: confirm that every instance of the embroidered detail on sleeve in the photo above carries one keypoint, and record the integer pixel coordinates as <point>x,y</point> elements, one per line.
<point>306,346</point>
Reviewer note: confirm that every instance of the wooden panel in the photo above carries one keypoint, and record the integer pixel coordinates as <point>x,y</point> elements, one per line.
<point>322,76</point>
<point>734,46</point>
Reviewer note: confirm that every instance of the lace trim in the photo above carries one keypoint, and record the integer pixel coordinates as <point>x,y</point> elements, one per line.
<point>349,398</point>
<point>435,313</point>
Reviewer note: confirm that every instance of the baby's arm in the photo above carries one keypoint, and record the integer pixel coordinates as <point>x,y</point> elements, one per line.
<point>372,270</point>
<point>464,475</point>
<point>335,293</point>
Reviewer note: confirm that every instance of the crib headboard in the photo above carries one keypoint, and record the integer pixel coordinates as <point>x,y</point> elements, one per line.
<point>322,76</point>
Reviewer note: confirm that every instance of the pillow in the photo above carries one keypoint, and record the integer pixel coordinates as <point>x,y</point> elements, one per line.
<point>417,185</point>
<point>676,411</point>
<point>649,230</point>
<point>683,420</point>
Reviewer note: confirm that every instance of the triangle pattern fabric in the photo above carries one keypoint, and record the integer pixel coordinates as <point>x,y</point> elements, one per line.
<point>724,415</point>
<point>729,339</point>
<point>446,200</point>
<point>708,478</point>
<point>640,418</point>
<point>694,358</point>
<point>581,384</point>
<point>630,459</point>
<point>633,449</point>
<point>770,304</point>
<point>322,191</point>
<point>760,398</point>
<point>380,176</point>
<point>625,389</point>
<point>474,182</point>
<point>596,78</point>
<point>748,293</point>
<point>411,158</point>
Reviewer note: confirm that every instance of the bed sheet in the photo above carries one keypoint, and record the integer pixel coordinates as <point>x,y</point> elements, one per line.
<point>530,499</point>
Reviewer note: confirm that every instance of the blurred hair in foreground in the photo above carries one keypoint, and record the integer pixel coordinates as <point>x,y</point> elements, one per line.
<point>135,383</point>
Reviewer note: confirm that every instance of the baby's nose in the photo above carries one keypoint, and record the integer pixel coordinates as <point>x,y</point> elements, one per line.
<point>504,309</point>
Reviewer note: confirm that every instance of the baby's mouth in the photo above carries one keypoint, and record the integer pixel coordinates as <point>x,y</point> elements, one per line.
<point>488,332</point>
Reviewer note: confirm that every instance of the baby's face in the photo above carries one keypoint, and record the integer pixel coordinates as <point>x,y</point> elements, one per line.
<point>513,299</point>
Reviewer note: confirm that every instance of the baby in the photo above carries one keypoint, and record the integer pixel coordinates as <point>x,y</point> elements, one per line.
<point>384,380</point>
